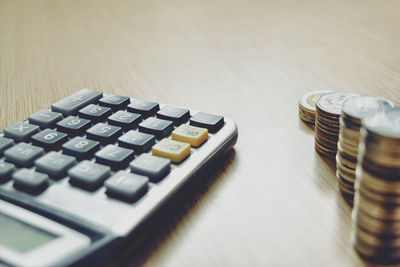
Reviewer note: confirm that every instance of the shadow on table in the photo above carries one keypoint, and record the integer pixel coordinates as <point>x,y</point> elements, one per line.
<point>159,228</point>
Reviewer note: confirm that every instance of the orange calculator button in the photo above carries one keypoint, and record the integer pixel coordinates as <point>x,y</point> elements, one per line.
<point>195,136</point>
<point>174,150</point>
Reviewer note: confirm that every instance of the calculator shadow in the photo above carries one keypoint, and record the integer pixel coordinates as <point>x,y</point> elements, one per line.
<point>158,230</point>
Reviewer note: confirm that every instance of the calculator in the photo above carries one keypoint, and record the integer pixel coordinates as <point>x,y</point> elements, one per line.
<point>77,180</point>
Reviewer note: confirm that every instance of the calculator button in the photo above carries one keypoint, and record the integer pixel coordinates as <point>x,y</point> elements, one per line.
<point>95,113</point>
<point>88,174</point>
<point>125,120</point>
<point>139,142</point>
<point>6,170</point>
<point>127,186</point>
<point>73,125</point>
<point>195,136</point>
<point>30,181</point>
<point>23,154</point>
<point>205,120</point>
<point>153,167</point>
<point>116,157</point>
<point>115,102</point>
<point>5,143</point>
<point>81,148</point>
<point>55,164</point>
<point>49,139</point>
<point>144,108</point>
<point>174,150</point>
<point>45,118</point>
<point>175,114</point>
<point>104,133</point>
<point>21,131</point>
<point>159,128</point>
<point>71,104</point>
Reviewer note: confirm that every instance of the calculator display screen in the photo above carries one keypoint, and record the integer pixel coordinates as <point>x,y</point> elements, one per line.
<point>20,236</point>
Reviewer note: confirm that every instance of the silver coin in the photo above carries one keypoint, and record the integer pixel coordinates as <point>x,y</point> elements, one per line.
<point>333,103</point>
<point>357,107</point>
<point>385,123</point>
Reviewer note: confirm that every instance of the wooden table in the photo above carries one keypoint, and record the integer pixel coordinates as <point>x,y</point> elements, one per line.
<point>273,201</point>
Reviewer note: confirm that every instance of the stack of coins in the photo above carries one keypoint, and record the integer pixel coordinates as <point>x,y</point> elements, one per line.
<point>329,108</point>
<point>354,109</point>
<point>376,214</point>
<point>307,105</point>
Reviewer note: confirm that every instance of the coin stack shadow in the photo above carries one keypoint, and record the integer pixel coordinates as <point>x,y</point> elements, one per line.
<point>376,213</point>
<point>329,108</point>
<point>354,109</point>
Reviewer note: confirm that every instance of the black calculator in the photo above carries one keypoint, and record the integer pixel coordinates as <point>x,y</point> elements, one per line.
<point>78,179</point>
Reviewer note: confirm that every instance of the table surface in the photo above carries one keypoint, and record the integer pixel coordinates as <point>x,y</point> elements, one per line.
<point>273,201</point>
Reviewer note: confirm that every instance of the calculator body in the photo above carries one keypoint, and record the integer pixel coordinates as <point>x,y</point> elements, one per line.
<point>87,227</point>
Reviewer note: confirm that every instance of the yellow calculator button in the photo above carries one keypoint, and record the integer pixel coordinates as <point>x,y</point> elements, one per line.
<point>173,150</point>
<point>195,136</point>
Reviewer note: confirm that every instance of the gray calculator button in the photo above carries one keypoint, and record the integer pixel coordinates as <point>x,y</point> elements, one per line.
<point>20,131</point>
<point>114,156</point>
<point>71,104</point>
<point>89,174</point>
<point>49,139</point>
<point>81,148</point>
<point>206,120</point>
<point>5,171</point>
<point>153,167</point>
<point>159,128</point>
<point>30,181</point>
<point>55,164</point>
<point>23,154</point>
<point>45,118</point>
<point>139,142</point>
<point>104,133</point>
<point>5,143</point>
<point>127,186</point>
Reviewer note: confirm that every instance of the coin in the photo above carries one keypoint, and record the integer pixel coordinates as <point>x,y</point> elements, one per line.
<point>307,105</point>
<point>332,104</point>
<point>385,123</point>
<point>358,107</point>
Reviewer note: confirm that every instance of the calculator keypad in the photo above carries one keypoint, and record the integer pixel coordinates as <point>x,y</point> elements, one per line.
<point>110,141</point>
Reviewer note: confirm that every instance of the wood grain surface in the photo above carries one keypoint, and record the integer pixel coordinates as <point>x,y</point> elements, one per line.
<point>271,202</point>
